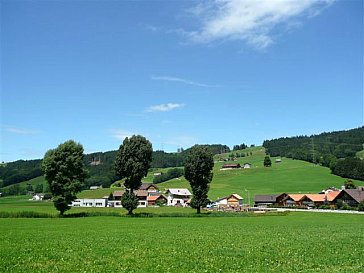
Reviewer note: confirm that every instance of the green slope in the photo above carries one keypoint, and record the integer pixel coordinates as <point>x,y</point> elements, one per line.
<point>33,182</point>
<point>291,176</point>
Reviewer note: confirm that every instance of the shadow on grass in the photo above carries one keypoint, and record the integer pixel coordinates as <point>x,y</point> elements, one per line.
<point>32,214</point>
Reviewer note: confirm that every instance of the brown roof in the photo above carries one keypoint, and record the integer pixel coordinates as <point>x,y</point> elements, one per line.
<point>266,198</point>
<point>146,186</point>
<point>139,193</point>
<point>356,194</point>
<point>231,166</point>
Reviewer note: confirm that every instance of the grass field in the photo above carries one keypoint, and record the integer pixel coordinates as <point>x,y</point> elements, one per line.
<point>299,242</point>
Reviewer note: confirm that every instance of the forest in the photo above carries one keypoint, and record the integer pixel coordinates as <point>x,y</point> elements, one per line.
<point>336,150</point>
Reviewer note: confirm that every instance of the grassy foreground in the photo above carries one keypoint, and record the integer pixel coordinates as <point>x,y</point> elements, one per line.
<point>299,242</point>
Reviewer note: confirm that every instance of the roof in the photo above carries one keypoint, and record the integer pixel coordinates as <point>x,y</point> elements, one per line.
<point>316,197</point>
<point>237,196</point>
<point>155,197</point>
<point>231,165</point>
<point>356,194</point>
<point>139,193</point>
<point>266,198</point>
<point>332,195</point>
<point>296,197</point>
<point>179,191</point>
<point>146,186</point>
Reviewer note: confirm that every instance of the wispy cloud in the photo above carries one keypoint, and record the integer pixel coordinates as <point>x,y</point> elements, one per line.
<point>21,131</point>
<point>254,22</point>
<point>182,141</point>
<point>120,134</point>
<point>164,107</point>
<point>175,79</point>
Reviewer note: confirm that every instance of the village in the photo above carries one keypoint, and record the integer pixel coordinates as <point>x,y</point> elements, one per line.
<point>150,196</point>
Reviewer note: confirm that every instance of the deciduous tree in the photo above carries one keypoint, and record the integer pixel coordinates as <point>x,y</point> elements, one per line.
<point>65,173</point>
<point>132,162</point>
<point>198,171</point>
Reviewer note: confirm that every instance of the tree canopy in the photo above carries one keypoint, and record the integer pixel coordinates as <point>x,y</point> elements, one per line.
<point>132,163</point>
<point>65,172</point>
<point>198,171</point>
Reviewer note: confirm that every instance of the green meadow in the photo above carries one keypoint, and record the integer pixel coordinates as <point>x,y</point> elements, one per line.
<point>298,242</point>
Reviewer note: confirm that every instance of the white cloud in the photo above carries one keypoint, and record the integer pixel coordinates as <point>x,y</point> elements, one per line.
<point>21,131</point>
<point>253,21</point>
<point>121,134</point>
<point>175,79</point>
<point>164,107</point>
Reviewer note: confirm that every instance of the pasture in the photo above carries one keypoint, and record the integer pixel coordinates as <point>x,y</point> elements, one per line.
<point>298,242</point>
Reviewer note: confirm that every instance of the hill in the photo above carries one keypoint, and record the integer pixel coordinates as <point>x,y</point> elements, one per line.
<point>290,175</point>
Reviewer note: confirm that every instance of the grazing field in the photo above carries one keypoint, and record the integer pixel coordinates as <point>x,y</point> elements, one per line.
<point>298,242</point>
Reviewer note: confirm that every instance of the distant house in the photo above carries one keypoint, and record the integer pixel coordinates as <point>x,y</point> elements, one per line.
<point>157,174</point>
<point>230,166</point>
<point>351,197</point>
<point>154,199</point>
<point>149,187</point>
<point>100,202</point>
<point>95,187</point>
<point>278,160</point>
<point>141,194</point>
<point>233,200</point>
<point>247,165</point>
<point>37,197</point>
<point>178,197</point>
<point>269,199</point>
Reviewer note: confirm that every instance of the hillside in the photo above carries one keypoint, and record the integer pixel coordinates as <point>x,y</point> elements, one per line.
<point>290,175</point>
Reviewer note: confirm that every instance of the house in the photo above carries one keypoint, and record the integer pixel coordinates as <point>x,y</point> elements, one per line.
<point>149,187</point>
<point>178,197</point>
<point>294,200</point>
<point>233,200</point>
<point>247,165</point>
<point>95,187</point>
<point>351,197</point>
<point>278,160</point>
<point>155,199</point>
<point>141,194</point>
<point>37,197</point>
<point>230,166</point>
<point>100,202</point>
<point>269,199</point>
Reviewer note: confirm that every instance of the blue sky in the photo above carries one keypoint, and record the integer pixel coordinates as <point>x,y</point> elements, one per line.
<point>177,72</point>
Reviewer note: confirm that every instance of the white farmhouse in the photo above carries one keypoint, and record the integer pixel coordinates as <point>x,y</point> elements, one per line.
<point>100,203</point>
<point>178,197</point>
<point>233,200</point>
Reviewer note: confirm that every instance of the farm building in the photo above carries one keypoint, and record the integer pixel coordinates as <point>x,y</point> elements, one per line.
<point>100,203</point>
<point>247,165</point>
<point>178,197</point>
<point>141,194</point>
<point>154,199</point>
<point>230,166</point>
<point>233,200</point>
<point>295,200</point>
<point>351,197</point>
<point>95,187</point>
<point>37,197</point>
<point>150,187</point>
<point>269,199</point>
<point>278,160</point>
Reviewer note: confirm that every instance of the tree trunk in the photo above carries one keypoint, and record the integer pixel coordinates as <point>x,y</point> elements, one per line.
<point>130,212</point>
<point>198,210</point>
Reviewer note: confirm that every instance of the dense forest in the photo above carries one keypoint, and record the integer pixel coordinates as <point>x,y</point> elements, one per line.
<point>99,165</point>
<point>335,150</point>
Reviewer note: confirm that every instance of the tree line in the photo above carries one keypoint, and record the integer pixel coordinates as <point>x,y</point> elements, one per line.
<point>336,150</point>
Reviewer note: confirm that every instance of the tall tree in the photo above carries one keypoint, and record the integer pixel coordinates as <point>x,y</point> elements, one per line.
<point>267,161</point>
<point>198,171</point>
<point>132,163</point>
<point>65,173</point>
